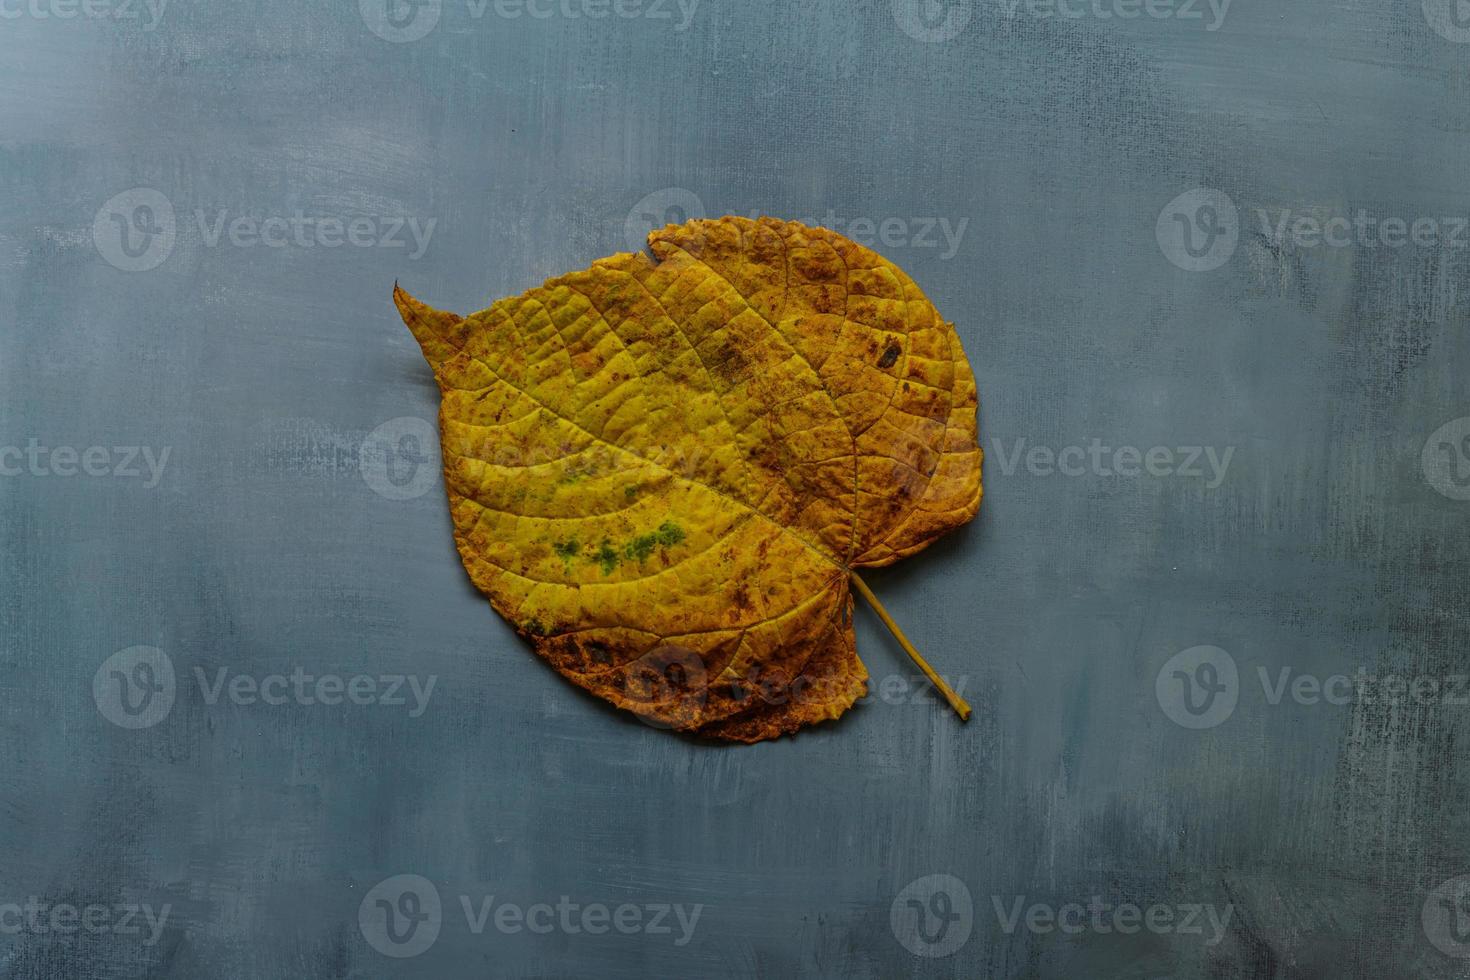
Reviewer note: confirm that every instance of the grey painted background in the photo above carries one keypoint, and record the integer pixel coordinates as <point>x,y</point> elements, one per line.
<point>1326,838</point>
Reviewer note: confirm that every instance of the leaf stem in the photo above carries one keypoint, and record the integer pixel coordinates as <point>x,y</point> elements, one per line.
<point>955,701</point>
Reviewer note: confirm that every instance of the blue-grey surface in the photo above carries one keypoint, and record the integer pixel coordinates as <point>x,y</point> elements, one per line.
<point>1166,225</point>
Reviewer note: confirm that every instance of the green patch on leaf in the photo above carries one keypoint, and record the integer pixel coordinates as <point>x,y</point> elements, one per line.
<point>607,557</point>
<point>670,534</point>
<point>566,551</point>
<point>641,547</point>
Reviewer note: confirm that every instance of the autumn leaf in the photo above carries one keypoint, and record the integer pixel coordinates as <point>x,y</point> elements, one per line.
<point>664,471</point>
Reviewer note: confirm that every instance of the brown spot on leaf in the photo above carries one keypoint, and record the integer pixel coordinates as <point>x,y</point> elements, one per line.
<point>729,362</point>
<point>741,598</point>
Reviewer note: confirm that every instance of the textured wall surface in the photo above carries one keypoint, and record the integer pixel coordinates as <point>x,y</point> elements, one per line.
<point>1209,263</point>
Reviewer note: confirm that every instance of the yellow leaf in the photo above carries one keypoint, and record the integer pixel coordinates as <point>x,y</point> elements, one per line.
<point>662,472</point>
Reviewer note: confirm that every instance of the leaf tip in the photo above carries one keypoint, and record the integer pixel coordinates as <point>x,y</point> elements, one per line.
<point>434,329</point>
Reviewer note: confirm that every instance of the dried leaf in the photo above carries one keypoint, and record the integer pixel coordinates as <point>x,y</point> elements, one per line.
<point>661,471</point>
